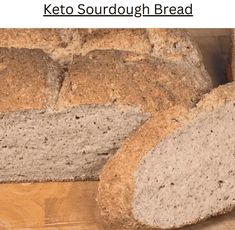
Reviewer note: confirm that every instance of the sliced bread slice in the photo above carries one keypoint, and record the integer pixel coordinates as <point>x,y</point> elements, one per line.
<point>175,171</point>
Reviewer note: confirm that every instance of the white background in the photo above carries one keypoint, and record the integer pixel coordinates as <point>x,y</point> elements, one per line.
<point>29,14</point>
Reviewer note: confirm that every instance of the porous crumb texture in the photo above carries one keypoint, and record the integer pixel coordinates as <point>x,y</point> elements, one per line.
<point>29,79</point>
<point>69,145</point>
<point>190,175</point>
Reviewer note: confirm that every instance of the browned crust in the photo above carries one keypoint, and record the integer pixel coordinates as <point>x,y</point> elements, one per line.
<point>62,44</point>
<point>111,76</point>
<point>135,40</point>
<point>174,44</point>
<point>29,79</point>
<point>216,98</point>
<point>30,38</point>
<point>169,44</point>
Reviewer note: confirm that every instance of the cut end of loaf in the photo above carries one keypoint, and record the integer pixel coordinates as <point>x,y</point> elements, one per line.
<point>190,175</point>
<point>72,144</point>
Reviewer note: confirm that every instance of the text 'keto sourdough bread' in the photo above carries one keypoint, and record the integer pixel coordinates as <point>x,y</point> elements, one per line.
<point>181,174</point>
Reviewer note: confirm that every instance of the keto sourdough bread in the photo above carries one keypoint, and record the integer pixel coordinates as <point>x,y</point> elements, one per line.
<point>177,170</point>
<point>65,126</point>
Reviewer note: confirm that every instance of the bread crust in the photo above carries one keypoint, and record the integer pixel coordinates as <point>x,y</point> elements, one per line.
<point>116,186</point>
<point>134,40</point>
<point>127,78</point>
<point>62,44</point>
<point>59,44</point>
<point>29,79</point>
<point>30,38</point>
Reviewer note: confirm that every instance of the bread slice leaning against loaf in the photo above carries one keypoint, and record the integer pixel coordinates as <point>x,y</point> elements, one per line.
<point>176,173</point>
<point>68,132</point>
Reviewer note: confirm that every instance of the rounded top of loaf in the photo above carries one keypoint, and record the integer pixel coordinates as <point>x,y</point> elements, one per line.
<point>120,77</point>
<point>29,79</point>
<point>169,44</point>
<point>174,45</point>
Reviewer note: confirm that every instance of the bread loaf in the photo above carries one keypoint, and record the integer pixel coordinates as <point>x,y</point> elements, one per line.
<point>175,173</point>
<point>57,126</point>
<point>64,122</point>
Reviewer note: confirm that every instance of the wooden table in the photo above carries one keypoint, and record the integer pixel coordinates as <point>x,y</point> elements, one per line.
<point>48,206</point>
<point>65,206</point>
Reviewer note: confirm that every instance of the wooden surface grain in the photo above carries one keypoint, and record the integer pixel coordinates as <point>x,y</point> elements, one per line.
<point>65,206</point>
<point>71,205</point>
<point>48,206</point>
